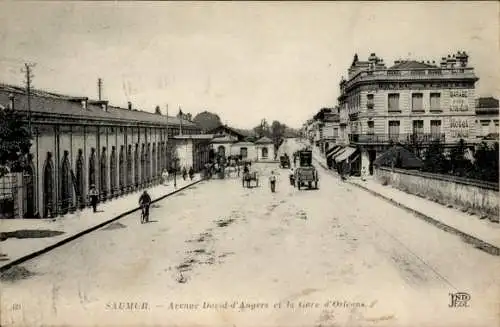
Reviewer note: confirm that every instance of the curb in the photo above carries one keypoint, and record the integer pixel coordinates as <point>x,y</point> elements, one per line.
<point>478,243</point>
<point>87,231</point>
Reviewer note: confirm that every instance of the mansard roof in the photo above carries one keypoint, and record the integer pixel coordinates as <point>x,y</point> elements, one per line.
<point>412,64</point>
<point>71,106</point>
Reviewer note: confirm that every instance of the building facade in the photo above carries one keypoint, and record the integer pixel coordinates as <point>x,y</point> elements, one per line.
<point>78,142</point>
<point>409,103</point>
<point>487,118</point>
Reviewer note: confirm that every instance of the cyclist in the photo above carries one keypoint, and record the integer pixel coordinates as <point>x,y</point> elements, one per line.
<point>145,202</point>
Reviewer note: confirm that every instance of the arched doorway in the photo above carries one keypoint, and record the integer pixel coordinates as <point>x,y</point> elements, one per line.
<point>136,166</point>
<point>265,152</point>
<point>104,174</point>
<point>122,168</point>
<point>29,191</point>
<point>92,168</point>
<point>112,171</point>
<point>79,180</point>
<point>48,187</point>
<point>154,157</point>
<point>221,151</point>
<point>66,191</point>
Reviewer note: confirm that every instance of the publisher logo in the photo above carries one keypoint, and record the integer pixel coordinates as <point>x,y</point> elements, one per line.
<point>459,300</point>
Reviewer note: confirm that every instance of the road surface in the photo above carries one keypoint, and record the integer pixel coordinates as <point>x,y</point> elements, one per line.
<point>222,255</point>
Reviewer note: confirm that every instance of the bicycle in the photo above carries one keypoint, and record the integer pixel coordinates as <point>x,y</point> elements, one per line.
<point>144,213</point>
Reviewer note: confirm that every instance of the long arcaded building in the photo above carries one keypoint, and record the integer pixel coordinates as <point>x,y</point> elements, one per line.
<point>78,142</point>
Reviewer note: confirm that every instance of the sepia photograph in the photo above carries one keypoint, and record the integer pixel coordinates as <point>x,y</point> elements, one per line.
<point>249,163</point>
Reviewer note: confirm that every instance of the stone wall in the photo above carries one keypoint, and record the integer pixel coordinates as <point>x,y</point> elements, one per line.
<point>473,196</point>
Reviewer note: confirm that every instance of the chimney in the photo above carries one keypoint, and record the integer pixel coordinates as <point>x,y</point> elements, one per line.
<point>11,101</point>
<point>84,103</point>
<point>129,105</point>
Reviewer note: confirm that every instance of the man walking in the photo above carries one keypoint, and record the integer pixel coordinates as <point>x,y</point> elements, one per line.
<point>94,197</point>
<point>272,181</point>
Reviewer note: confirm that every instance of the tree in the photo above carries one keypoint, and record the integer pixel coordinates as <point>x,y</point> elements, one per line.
<point>277,133</point>
<point>486,162</point>
<point>207,120</point>
<point>435,160</point>
<point>15,142</point>
<point>157,110</point>
<point>262,129</point>
<point>458,163</point>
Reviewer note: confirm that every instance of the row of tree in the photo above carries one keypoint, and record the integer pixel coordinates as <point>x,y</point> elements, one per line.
<point>484,166</point>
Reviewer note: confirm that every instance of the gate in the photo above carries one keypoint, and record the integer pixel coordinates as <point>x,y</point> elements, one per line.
<point>9,190</point>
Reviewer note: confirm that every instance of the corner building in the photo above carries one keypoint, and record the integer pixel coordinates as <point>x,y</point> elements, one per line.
<point>410,102</point>
<point>79,142</point>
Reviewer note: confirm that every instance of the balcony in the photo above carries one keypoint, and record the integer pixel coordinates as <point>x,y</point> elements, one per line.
<point>412,74</point>
<point>404,138</point>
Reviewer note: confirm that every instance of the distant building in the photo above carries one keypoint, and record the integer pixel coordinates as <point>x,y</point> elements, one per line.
<point>487,118</point>
<point>409,102</point>
<point>79,142</point>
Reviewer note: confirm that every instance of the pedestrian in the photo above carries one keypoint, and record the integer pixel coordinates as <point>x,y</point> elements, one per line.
<point>292,177</point>
<point>164,175</point>
<point>94,197</point>
<point>184,173</point>
<point>363,174</point>
<point>272,181</point>
<point>191,173</point>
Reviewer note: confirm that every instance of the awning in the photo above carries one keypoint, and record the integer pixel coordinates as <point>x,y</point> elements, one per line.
<point>346,154</point>
<point>335,152</point>
<point>338,153</point>
<point>332,150</point>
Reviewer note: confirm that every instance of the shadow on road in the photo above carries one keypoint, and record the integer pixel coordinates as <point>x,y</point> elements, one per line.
<point>29,233</point>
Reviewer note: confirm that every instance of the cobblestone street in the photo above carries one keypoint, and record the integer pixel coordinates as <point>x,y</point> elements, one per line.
<point>218,242</point>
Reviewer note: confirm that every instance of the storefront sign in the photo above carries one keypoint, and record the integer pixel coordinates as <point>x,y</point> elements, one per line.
<point>459,100</point>
<point>459,128</point>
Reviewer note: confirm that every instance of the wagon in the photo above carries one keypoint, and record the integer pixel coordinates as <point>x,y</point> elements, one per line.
<point>248,178</point>
<point>284,161</point>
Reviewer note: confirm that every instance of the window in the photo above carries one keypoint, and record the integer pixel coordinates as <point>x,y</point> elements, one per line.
<point>371,127</point>
<point>485,127</point>
<point>393,102</point>
<point>435,101</point>
<point>335,132</point>
<point>417,103</point>
<point>418,127</point>
<point>369,103</point>
<point>243,153</point>
<point>394,130</point>
<point>435,128</point>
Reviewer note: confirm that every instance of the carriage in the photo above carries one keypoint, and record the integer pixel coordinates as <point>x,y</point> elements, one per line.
<point>306,174</point>
<point>250,177</point>
<point>284,161</point>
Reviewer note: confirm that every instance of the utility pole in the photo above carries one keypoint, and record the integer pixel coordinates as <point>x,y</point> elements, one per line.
<point>29,79</point>
<point>99,88</point>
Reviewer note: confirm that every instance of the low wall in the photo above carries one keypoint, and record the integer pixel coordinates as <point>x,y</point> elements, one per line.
<point>473,196</point>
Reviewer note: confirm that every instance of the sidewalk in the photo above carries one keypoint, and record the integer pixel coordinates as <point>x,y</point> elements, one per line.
<point>66,228</point>
<point>484,232</point>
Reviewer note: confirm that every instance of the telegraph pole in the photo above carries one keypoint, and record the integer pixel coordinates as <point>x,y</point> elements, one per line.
<point>99,88</point>
<point>29,78</point>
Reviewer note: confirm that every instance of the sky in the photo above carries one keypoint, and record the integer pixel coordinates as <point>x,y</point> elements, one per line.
<point>242,60</point>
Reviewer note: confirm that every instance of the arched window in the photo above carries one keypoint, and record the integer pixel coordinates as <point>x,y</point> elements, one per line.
<point>92,168</point>
<point>264,152</point>
<point>122,168</point>
<point>79,180</point>
<point>104,173</point>
<point>136,166</point>
<point>112,171</point>
<point>66,191</point>
<point>154,157</point>
<point>48,187</point>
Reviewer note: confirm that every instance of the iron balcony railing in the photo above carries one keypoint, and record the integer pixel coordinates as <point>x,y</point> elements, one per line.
<point>408,138</point>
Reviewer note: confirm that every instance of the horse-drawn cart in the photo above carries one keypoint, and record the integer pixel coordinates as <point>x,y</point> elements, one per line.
<point>250,177</point>
<point>284,161</point>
